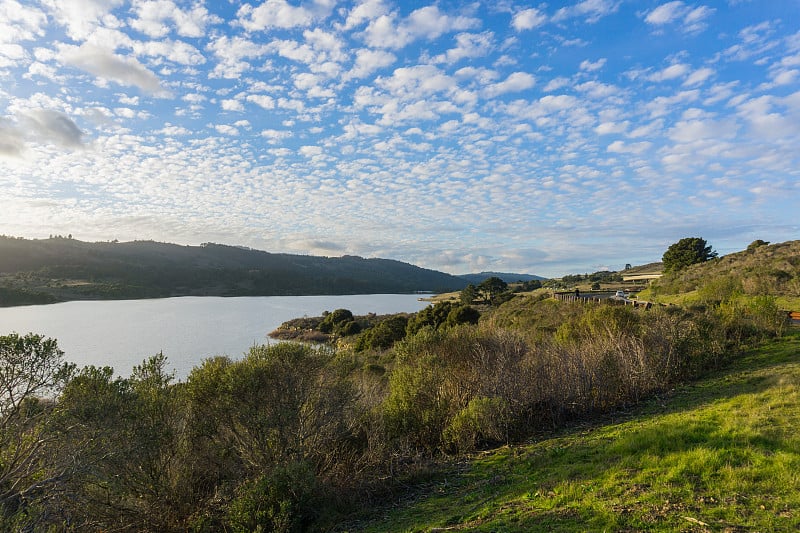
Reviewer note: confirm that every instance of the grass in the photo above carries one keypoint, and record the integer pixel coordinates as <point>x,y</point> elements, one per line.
<point>721,454</point>
<point>788,303</point>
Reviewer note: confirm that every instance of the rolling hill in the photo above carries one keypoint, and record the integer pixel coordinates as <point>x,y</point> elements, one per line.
<point>56,269</point>
<point>508,277</point>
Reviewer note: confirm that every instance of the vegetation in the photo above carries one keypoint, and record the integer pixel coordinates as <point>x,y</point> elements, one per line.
<point>297,437</point>
<point>685,252</point>
<point>761,270</point>
<point>719,454</point>
<point>43,271</point>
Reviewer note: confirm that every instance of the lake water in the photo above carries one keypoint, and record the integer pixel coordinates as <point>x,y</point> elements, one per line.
<point>122,333</point>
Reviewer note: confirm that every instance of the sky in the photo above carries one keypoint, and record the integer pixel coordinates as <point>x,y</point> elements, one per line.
<point>541,138</point>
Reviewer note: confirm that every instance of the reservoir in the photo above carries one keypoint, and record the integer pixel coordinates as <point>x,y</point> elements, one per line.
<point>122,333</point>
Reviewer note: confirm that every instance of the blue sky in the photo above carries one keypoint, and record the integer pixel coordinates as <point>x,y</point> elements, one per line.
<point>547,138</point>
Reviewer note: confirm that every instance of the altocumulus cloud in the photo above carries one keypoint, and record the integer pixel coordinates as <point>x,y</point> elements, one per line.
<point>456,135</point>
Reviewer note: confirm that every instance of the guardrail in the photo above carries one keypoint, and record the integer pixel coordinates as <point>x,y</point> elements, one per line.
<point>585,299</point>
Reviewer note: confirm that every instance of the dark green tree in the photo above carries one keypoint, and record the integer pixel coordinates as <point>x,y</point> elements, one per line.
<point>492,287</point>
<point>334,320</point>
<point>385,334</point>
<point>685,252</point>
<point>469,294</point>
<point>462,314</point>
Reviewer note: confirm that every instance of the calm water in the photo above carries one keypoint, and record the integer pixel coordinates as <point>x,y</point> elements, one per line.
<point>123,333</point>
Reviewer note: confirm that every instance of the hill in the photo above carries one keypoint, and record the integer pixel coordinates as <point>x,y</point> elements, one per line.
<point>716,455</point>
<point>649,268</point>
<point>476,279</point>
<point>42,271</point>
<point>762,269</point>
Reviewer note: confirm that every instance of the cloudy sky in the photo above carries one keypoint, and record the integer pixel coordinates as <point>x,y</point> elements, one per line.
<point>546,138</point>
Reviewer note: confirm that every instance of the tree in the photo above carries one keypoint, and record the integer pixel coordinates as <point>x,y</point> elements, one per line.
<point>685,252</point>
<point>31,371</point>
<point>469,294</point>
<point>335,320</point>
<point>492,287</point>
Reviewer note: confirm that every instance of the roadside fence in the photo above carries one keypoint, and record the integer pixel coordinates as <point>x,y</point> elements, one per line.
<point>586,299</point>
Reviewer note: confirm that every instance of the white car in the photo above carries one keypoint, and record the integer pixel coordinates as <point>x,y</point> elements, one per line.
<point>620,294</point>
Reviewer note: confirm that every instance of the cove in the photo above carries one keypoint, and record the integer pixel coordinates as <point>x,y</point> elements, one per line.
<point>122,333</point>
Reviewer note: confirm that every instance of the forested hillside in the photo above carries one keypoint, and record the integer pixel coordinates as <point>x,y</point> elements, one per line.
<point>41,271</point>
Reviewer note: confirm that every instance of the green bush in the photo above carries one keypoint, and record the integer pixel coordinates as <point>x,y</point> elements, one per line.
<point>384,334</point>
<point>443,314</point>
<point>335,319</point>
<point>284,500</point>
<point>439,372</point>
<point>483,421</point>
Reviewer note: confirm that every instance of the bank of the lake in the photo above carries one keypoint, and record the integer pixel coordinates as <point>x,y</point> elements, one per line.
<point>121,333</point>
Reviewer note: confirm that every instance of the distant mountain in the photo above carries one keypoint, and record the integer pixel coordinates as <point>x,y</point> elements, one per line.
<point>67,269</point>
<point>475,279</point>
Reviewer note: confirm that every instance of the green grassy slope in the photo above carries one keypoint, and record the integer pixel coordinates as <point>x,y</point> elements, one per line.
<point>722,454</point>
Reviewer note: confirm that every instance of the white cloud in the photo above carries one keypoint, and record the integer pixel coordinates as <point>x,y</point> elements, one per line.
<point>176,51</point>
<point>279,14</point>
<point>153,16</point>
<point>785,76</point>
<point>699,76</point>
<point>311,151</point>
<point>232,105</point>
<point>647,130</point>
<point>226,129</point>
<point>368,61</point>
<point>171,130</point>
<point>528,19</point>
<point>591,10</point>
<point>608,128</point>
<point>20,22</point>
<point>232,53</point>
<point>11,139</point>
<point>10,54</point>
<point>109,66</point>
<point>591,67</point>
<point>275,136</point>
<point>424,23</point>
<point>82,17</point>
<point>555,84</point>
<point>45,125</point>
<point>666,13</point>
<point>263,100</point>
<point>468,45</point>
<point>693,19</point>
<point>671,72</point>
<point>517,81</point>
<point>364,11</point>
<point>698,129</point>
<point>621,147</point>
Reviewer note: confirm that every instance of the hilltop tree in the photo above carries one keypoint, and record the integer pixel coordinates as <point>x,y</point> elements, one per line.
<point>758,243</point>
<point>685,252</point>
<point>490,288</point>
